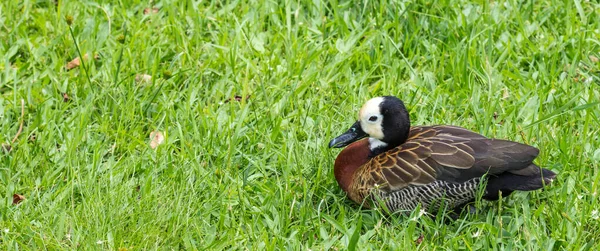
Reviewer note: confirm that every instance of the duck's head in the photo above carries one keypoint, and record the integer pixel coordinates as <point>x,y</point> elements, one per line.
<point>384,120</point>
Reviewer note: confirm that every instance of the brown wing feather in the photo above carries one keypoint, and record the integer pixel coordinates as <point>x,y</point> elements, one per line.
<point>443,153</point>
<point>401,167</point>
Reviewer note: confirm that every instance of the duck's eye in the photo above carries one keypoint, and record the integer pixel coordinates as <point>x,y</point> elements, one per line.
<point>373,118</point>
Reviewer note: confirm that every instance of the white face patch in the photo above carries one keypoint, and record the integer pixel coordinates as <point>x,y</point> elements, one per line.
<point>370,118</point>
<point>375,143</point>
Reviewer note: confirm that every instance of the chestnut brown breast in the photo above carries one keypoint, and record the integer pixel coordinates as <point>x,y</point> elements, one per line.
<point>349,160</point>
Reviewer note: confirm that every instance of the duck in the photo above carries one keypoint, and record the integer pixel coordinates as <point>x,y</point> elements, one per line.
<point>386,162</point>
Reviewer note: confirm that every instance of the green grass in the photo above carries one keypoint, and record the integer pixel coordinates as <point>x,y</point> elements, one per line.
<point>257,174</point>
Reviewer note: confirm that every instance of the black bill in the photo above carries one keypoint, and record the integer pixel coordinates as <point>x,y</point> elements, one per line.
<point>353,134</point>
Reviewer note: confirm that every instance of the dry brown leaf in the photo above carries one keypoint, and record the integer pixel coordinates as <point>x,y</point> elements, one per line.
<point>66,97</point>
<point>594,59</point>
<point>419,240</point>
<point>237,98</point>
<point>156,139</point>
<point>17,198</point>
<point>76,62</point>
<point>143,78</point>
<point>148,11</point>
<point>6,147</point>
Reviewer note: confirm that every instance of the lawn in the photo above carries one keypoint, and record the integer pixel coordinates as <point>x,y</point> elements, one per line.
<point>241,99</point>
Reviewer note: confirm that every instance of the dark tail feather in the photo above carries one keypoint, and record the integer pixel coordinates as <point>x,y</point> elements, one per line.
<point>508,182</point>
